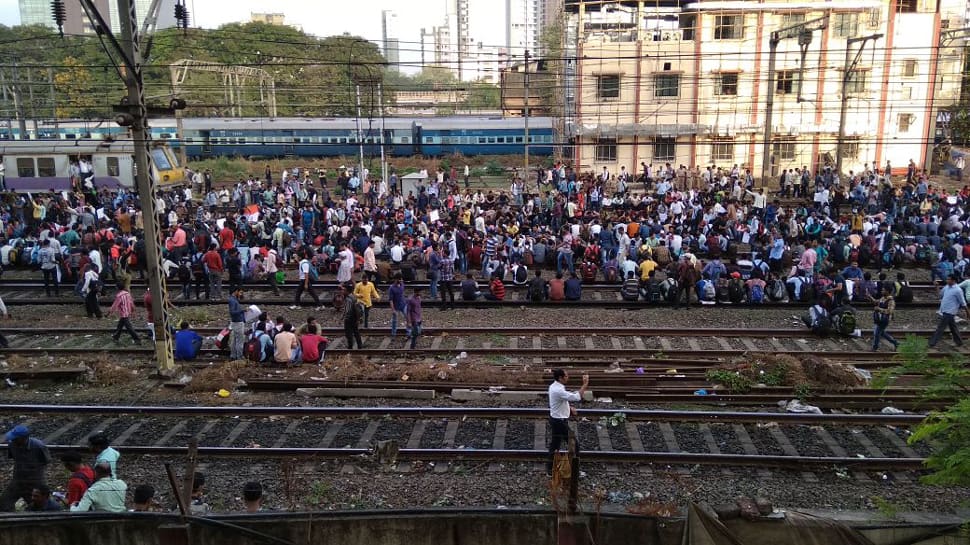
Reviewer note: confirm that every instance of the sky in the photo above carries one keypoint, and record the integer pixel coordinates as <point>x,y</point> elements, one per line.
<point>360,17</point>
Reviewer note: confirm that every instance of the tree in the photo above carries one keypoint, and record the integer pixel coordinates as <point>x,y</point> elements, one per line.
<point>941,379</point>
<point>75,89</point>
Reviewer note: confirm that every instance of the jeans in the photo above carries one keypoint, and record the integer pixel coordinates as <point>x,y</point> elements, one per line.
<point>50,276</point>
<point>565,260</point>
<point>91,305</point>
<point>352,332</point>
<point>202,285</point>
<point>560,434</point>
<point>447,294</point>
<point>366,316</point>
<point>237,338</point>
<point>271,281</point>
<point>215,284</point>
<point>946,322</point>
<point>413,333</point>
<point>433,284</point>
<point>124,324</point>
<point>309,289</point>
<point>879,332</point>
<point>394,314</point>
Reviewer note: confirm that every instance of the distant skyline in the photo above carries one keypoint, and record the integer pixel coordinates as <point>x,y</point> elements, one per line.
<point>361,17</point>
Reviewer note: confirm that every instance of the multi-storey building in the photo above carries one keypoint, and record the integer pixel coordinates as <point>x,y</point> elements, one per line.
<point>679,82</point>
<point>38,12</point>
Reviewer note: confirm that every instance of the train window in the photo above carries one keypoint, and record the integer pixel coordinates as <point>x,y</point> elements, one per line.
<point>25,167</point>
<point>501,139</point>
<point>165,136</point>
<point>161,160</point>
<point>343,140</point>
<point>428,139</point>
<point>45,167</point>
<point>70,136</point>
<point>491,139</point>
<point>405,140</point>
<point>188,140</point>
<point>481,140</point>
<point>518,140</point>
<point>114,168</point>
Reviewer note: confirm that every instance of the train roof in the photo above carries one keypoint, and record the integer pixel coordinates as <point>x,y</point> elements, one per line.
<point>70,147</point>
<point>342,123</point>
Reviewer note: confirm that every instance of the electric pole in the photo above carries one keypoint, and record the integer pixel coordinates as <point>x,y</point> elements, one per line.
<point>525,175</point>
<point>850,64</point>
<point>803,32</point>
<point>133,113</point>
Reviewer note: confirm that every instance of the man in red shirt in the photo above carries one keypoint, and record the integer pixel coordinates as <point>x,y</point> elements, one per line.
<point>214,267</point>
<point>227,238</point>
<point>557,288</point>
<point>82,476</point>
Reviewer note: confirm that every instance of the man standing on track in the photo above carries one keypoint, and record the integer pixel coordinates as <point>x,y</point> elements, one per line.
<point>951,301</point>
<point>237,325</point>
<point>124,306</point>
<point>560,411</point>
<point>30,458</point>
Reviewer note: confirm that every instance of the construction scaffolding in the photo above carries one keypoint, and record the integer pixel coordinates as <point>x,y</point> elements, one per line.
<point>234,80</point>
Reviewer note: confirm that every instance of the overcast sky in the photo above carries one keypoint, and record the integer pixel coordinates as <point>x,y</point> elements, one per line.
<point>360,17</point>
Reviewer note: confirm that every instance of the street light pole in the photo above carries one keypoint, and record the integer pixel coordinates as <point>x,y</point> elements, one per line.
<point>525,175</point>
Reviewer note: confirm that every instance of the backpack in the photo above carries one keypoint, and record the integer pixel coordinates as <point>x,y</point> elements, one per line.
<point>222,340</point>
<point>923,254</point>
<point>311,270</point>
<point>521,275</point>
<point>253,349</point>
<point>757,294</point>
<point>843,319</point>
<point>818,320</point>
<point>776,290</point>
<point>709,291</point>
<point>735,290</point>
<point>671,293</point>
<point>904,293</point>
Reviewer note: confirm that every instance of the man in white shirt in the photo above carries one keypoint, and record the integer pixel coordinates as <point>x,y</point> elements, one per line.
<point>559,411</point>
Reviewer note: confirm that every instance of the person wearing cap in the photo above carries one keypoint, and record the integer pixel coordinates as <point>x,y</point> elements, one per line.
<point>30,458</point>
<point>106,494</point>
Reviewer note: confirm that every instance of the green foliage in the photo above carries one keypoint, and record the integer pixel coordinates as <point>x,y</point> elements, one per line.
<point>776,376</point>
<point>732,380</point>
<point>948,430</point>
<point>494,168</point>
<point>940,378</point>
<point>803,391</point>
<point>886,508</point>
<point>613,420</point>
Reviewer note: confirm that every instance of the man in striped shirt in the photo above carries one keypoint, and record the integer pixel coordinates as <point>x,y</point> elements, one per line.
<point>123,306</point>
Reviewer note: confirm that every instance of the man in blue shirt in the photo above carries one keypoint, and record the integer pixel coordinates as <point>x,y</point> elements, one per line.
<point>951,301</point>
<point>573,288</point>
<point>187,343</point>
<point>395,295</point>
<point>237,325</point>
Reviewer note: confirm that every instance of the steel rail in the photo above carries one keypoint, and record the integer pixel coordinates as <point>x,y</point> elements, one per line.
<point>471,412</point>
<point>492,455</point>
<point>519,331</point>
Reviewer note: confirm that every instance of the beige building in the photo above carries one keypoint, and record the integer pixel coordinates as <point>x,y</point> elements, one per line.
<point>687,82</point>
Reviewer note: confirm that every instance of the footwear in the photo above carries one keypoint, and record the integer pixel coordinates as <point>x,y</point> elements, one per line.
<point>293,307</point>
<point>321,307</point>
<point>115,339</point>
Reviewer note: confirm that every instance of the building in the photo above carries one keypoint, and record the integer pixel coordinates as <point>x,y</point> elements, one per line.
<point>277,19</point>
<point>513,89</point>
<point>522,26</point>
<point>390,43</point>
<point>38,12</point>
<point>686,82</point>
<point>141,8</point>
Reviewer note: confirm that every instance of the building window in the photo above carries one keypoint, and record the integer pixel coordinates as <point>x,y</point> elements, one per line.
<point>606,150</point>
<point>722,150</point>
<point>114,169</point>
<point>792,19</point>
<point>906,93</point>
<point>845,25</point>
<point>906,6</point>
<point>25,167</point>
<point>784,149</point>
<point>909,68</point>
<point>726,83</point>
<point>608,87</point>
<point>664,149</point>
<point>666,85</point>
<point>850,148</point>
<point>787,83</point>
<point>687,25</point>
<point>857,81</point>
<point>45,167</point>
<point>905,122</point>
<point>728,27</point>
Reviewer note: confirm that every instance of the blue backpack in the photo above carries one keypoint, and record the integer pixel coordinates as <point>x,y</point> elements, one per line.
<point>757,294</point>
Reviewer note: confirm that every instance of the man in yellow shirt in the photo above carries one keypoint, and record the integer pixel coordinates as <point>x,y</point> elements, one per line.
<point>646,267</point>
<point>366,293</point>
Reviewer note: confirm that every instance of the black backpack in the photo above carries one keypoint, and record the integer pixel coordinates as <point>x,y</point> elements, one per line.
<point>776,290</point>
<point>521,275</point>
<point>735,290</point>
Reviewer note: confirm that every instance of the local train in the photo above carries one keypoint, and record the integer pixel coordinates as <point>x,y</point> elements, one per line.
<point>320,137</point>
<point>44,165</point>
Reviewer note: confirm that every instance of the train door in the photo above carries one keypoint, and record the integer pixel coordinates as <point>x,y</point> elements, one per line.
<point>417,137</point>
<point>289,143</point>
<point>205,136</point>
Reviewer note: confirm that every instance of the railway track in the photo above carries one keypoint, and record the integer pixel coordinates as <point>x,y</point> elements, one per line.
<point>861,443</point>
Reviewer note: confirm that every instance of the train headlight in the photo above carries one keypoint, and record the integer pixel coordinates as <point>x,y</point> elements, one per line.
<point>165,177</point>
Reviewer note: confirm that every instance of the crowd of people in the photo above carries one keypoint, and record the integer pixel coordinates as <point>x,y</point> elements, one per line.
<point>660,234</point>
<point>90,486</point>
